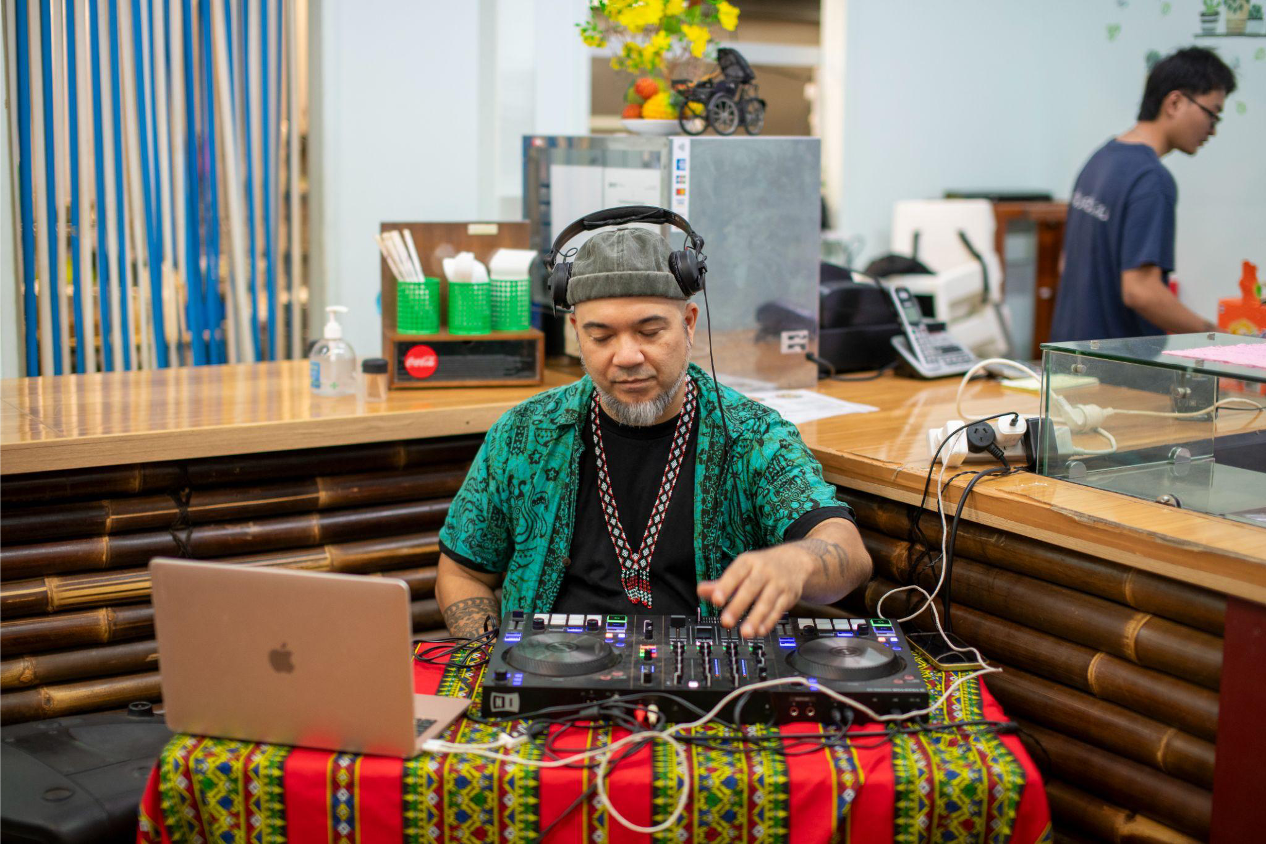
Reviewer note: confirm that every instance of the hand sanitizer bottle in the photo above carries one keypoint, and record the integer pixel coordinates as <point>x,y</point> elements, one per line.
<point>332,364</point>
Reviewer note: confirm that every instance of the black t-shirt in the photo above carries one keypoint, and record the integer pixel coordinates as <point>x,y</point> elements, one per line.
<point>636,457</point>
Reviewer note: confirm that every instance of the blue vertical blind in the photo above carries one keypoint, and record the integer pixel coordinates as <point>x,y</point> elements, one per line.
<point>156,166</point>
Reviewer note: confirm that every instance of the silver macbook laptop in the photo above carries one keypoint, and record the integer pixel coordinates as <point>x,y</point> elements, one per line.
<point>291,657</point>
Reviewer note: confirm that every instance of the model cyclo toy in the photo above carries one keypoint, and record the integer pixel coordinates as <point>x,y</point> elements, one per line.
<point>724,99</point>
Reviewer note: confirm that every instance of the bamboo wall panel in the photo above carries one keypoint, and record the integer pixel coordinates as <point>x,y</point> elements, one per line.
<point>98,482</point>
<point>365,557</point>
<point>1139,637</point>
<point>1168,800</point>
<point>207,542</point>
<point>55,593</point>
<point>1107,725</point>
<point>135,479</point>
<point>1112,672</point>
<point>1104,822</point>
<point>427,615</point>
<point>63,630</point>
<point>32,669</point>
<point>77,628</point>
<point>1192,708</point>
<point>138,513</point>
<point>1174,600</point>
<point>83,696</point>
<point>80,628</point>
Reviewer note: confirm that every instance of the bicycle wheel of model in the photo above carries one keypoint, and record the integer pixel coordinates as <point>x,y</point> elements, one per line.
<point>693,117</point>
<point>723,114</point>
<point>753,116</point>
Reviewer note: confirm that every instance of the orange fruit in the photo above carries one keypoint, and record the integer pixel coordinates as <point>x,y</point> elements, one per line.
<point>646,87</point>
<point>632,110</point>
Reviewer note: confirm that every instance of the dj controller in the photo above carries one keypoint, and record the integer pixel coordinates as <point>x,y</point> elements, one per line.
<point>548,659</point>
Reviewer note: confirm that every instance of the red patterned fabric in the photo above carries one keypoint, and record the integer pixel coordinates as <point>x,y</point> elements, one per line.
<point>870,791</point>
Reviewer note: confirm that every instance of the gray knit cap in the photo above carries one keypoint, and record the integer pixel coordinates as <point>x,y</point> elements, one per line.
<point>629,261</point>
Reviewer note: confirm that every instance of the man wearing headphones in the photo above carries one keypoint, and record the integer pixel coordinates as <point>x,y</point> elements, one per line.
<point>645,486</point>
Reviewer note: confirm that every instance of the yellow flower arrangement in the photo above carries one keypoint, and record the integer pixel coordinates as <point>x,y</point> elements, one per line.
<point>698,36</point>
<point>727,15</point>
<point>636,16</point>
<point>654,37</point>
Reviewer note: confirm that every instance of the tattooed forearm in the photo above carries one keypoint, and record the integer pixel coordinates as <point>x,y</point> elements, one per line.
<point>831,558</point>
<point>466,618</point>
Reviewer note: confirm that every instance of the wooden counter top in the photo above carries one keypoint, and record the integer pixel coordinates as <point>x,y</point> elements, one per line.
<point>118,418</point>
<point>885,453</point>
<point>65,422</point>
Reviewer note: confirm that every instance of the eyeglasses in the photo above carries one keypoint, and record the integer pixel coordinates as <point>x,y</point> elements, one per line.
<point>1213,116</point>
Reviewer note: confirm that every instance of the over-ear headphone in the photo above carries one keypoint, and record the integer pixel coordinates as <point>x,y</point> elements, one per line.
<point>689,266</point>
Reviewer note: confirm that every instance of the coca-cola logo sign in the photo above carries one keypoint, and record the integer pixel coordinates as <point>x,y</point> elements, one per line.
<point>421,361</point>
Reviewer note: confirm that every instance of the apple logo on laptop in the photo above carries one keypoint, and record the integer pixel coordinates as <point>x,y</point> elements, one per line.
<point>280,659</point>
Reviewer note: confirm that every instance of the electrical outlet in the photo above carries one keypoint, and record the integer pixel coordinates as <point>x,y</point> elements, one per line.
<point>793,342</point>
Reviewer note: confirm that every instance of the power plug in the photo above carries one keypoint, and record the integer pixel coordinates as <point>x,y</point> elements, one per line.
<point>1081,418</point>
<point>981,437</point>
<point>953,454</point>
<point>1010,443</point>
<point>1059,443</point>
<point>1010,430</point>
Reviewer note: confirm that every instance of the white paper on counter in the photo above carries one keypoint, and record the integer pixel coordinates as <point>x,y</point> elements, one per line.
<point>799,406</point>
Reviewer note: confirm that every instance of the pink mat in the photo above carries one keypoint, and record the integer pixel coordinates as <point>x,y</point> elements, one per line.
<point>1241,354</point>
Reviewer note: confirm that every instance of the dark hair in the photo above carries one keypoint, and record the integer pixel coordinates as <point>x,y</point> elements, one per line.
<point>1192,70</point>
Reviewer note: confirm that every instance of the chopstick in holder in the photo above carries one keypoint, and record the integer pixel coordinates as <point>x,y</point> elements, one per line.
<point>387,254</point>
<point>396,243</point>
<point>413,254</point>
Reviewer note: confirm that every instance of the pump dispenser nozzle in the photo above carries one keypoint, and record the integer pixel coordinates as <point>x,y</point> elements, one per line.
<point>334,329</point>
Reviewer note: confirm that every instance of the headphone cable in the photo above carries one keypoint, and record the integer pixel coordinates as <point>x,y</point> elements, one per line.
<point>716,383</point>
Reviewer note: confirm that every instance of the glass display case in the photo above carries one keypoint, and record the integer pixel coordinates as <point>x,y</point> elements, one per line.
<point>1174,419</point>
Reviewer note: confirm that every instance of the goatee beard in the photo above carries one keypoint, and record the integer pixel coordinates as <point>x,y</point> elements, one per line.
<point>640,414</point>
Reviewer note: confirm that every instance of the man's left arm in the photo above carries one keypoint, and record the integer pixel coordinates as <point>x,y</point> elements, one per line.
<point>828,564</point>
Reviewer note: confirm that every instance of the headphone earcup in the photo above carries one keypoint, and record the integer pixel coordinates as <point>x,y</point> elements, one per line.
<point>688,271</point>
<point>558,279</point>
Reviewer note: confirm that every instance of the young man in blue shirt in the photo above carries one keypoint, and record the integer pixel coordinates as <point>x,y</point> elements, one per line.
<point>1119,241</point>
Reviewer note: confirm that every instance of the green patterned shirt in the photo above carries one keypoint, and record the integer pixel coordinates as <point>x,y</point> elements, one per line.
<point>515,512</point>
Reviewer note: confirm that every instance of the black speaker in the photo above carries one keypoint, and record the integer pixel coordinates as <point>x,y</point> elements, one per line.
<point>79,778</point>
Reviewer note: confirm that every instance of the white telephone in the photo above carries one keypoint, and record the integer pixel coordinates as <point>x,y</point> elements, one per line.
<point>930,354</point>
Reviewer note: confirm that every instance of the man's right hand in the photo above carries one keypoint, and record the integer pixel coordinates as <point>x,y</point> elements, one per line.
<point>1143,290</point>
<point>466,599</point>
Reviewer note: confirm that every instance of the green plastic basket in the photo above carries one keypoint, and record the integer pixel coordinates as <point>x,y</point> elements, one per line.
<point>511,305</point>
<point>418,307</point>
<point>469,307</point>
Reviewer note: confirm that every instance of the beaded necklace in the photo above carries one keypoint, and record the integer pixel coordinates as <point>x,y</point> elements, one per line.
<point>635,566</point>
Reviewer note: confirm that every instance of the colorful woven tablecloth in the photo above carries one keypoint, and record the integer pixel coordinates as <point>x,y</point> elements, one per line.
<point>949,786</point>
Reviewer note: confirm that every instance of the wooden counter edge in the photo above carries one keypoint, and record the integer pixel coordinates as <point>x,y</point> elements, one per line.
<point>1224,567</point>
<point>242,439</point>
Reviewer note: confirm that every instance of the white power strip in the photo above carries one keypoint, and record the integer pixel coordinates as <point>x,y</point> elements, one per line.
<point>1009,431</point>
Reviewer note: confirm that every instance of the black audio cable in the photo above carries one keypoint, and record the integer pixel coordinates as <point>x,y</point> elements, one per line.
<point>915,534</point>
<point>948,564</point>
<point>438,652</point>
